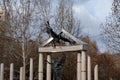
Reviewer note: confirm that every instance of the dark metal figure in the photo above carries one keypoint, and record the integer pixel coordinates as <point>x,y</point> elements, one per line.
<point>56,37</point>
<point>57,66</point>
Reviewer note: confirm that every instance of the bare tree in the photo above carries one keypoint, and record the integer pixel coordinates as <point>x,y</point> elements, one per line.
<point>44,8</point>
<point>64,18</point>
<point>111,28</point>
<point>22,27</point>
<point>64,15</point>
<point>60,15</point>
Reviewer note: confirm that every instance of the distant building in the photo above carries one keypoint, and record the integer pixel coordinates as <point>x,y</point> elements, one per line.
<point>2,16</point>
<point>2,11</point>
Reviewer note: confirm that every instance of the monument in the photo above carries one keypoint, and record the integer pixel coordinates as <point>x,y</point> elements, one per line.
<point>57,38</point>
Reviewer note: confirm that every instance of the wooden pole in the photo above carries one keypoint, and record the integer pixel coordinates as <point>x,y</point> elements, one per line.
<point>2,71</point>
<point>96,72</point>
<point>78,66</point>
<point>31,69</point>
<point>40,70</point>
<point>83,67</point>
<point>88,67</point>
<point>11,71</point>
<point>48,67</point>
<point>21,73</point>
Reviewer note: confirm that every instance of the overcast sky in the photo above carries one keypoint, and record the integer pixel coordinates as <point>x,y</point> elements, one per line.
<point>92,13</point>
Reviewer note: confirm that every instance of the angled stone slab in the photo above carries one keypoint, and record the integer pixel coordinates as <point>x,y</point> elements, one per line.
<point>73,38</point>
<point>63,49</point>
<point>48,41</point>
